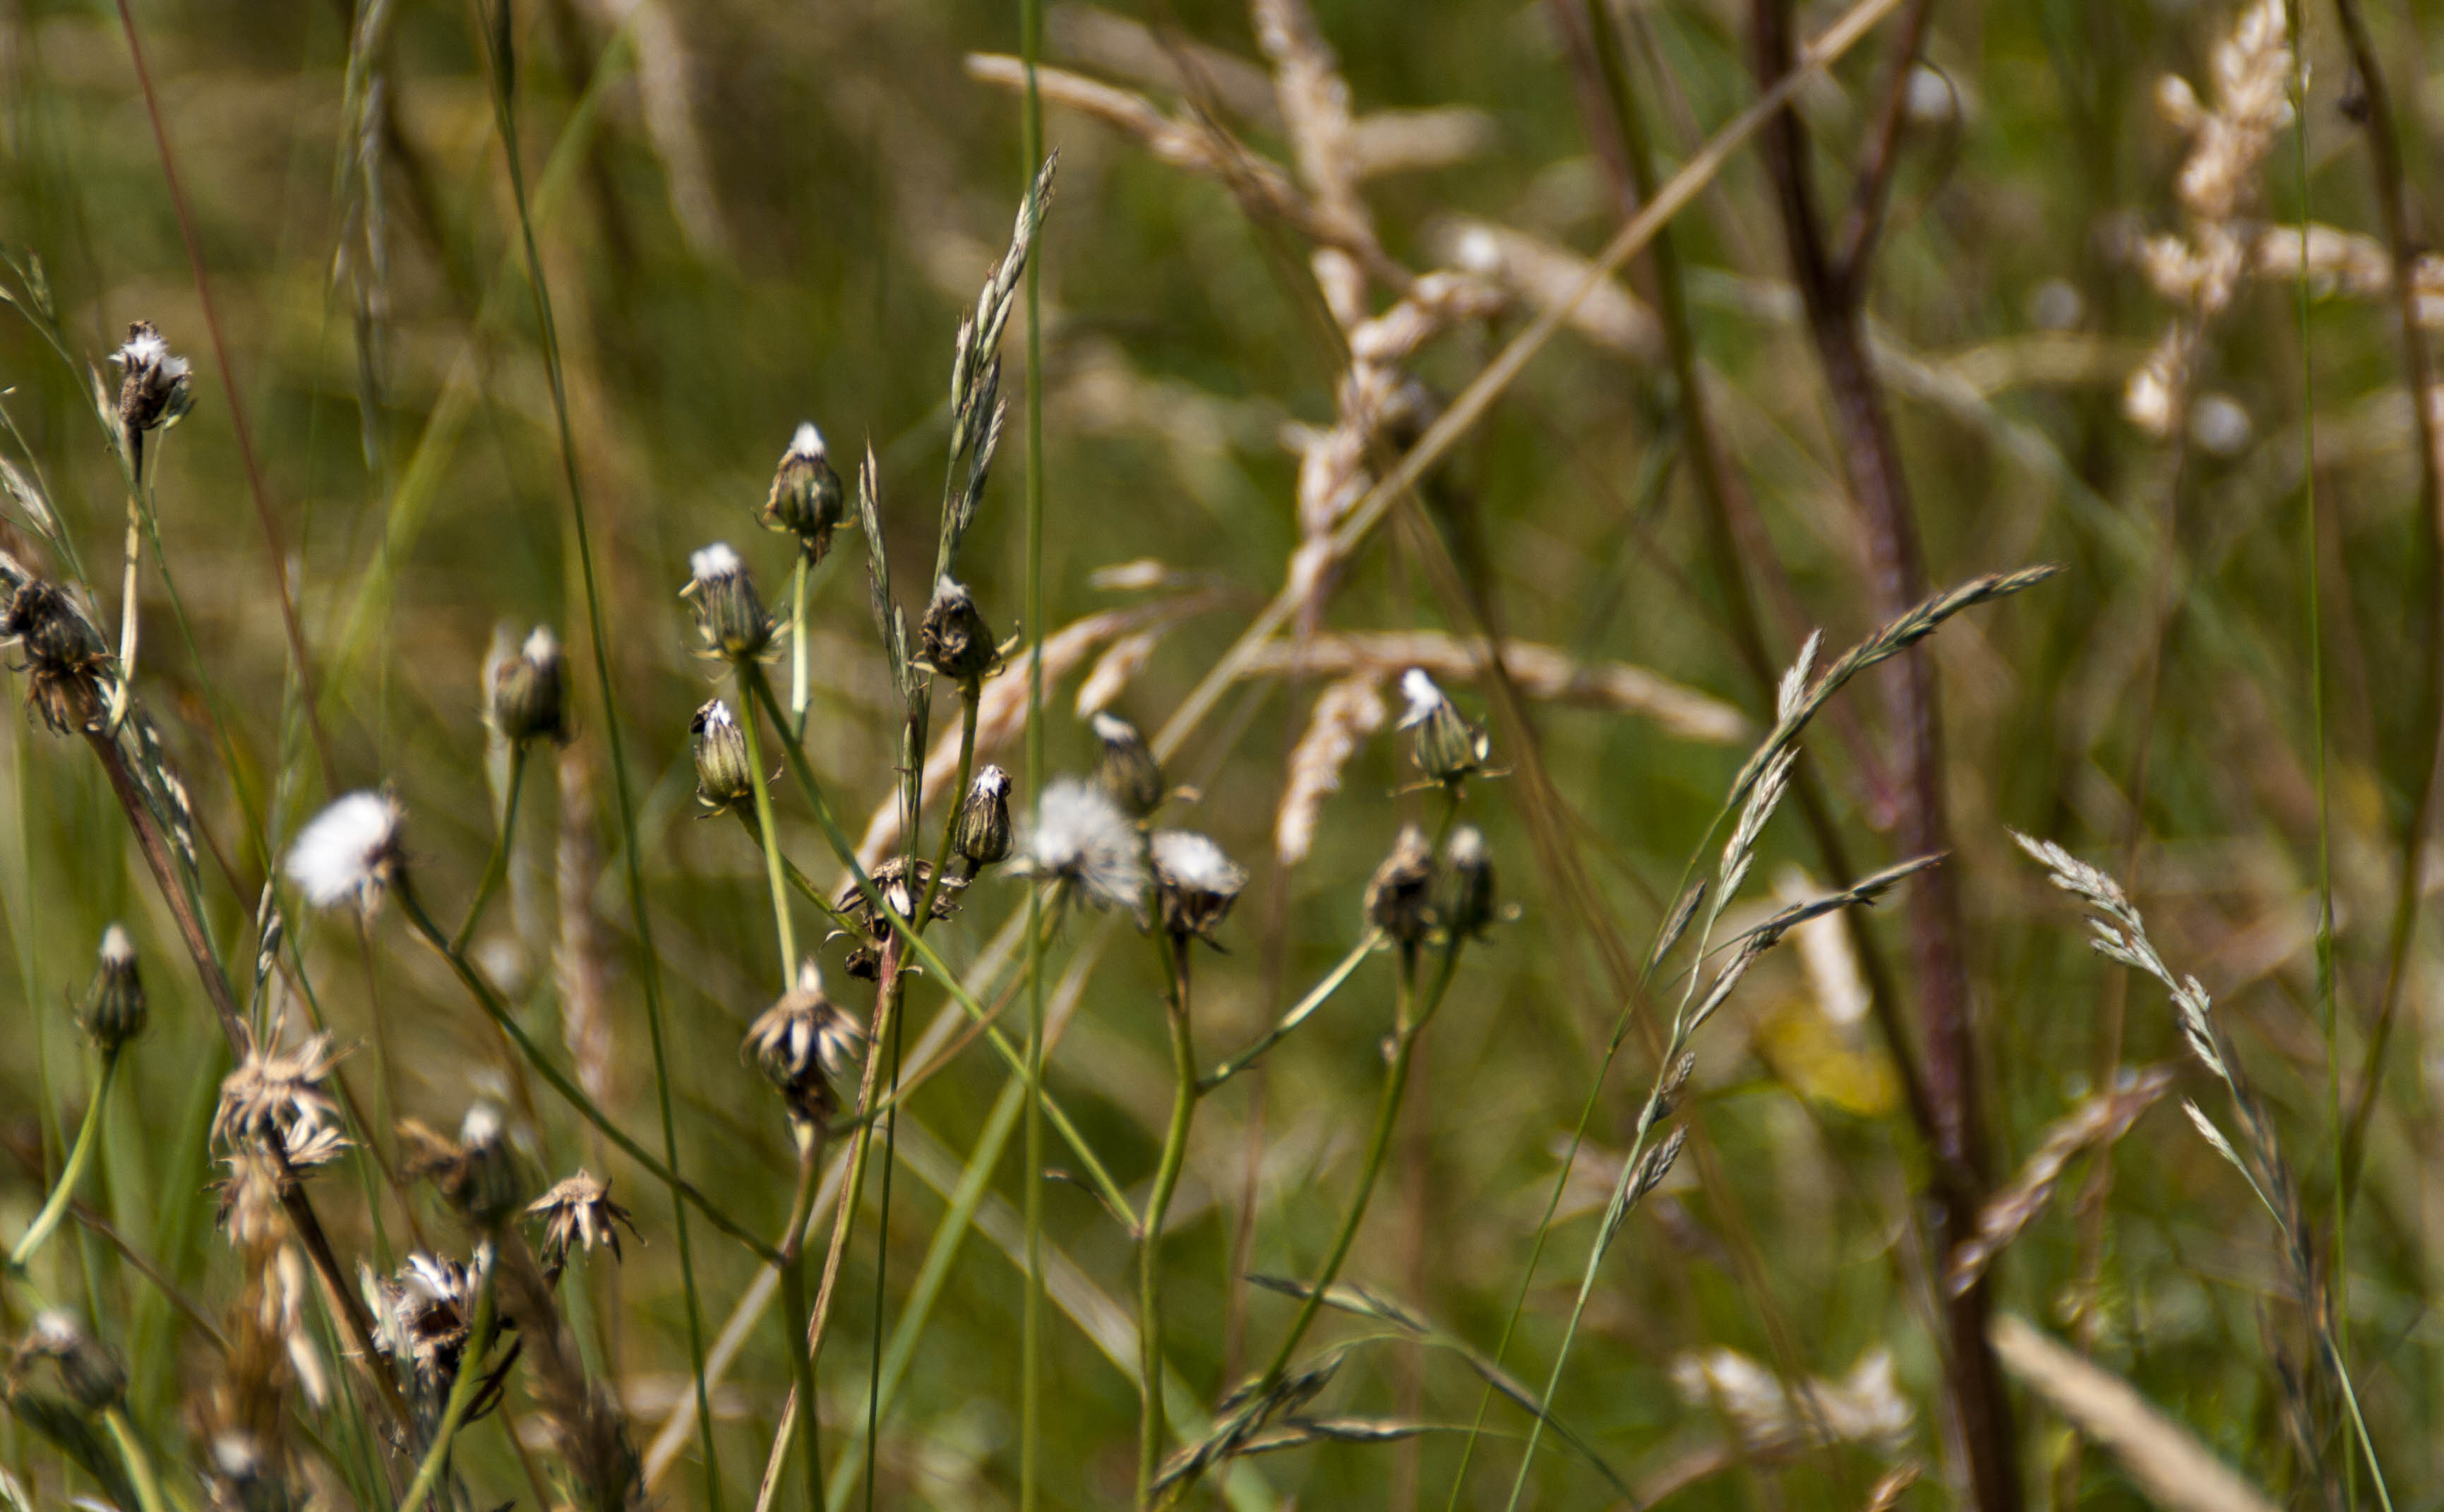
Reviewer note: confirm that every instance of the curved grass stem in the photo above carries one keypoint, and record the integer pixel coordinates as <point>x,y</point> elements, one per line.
<point>71,1174</point>
<point>497,866</point>
<point>139,1465</point>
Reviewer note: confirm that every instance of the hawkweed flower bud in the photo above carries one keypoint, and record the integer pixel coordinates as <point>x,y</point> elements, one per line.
<point>525,695</point>
<point>349,853</point>
<point>805,500</point>
<point>1128,771</point>
<point>1195,883</point>
<point>63,654</point>
<point>1463,893</point>
<point>955,640</point>
<point>1399,896</point>
<point>92,1379</point>
<point>806,1043</point>
<point>728,615</point>
<point>1448,747</point>
<point>982,836</point>
<point>477,1173</point>
<point>155,388</point>
<point>722,776</point>
<point>580,1211</point>
<point>113,1011</point>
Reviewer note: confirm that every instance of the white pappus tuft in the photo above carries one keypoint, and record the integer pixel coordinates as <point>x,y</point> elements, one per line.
<point>1079,836</point>
<point>715,562</point>
<point>807,445</point>
<point>1423,695</point>
<point>349,853</point>
<point>1185,858</point>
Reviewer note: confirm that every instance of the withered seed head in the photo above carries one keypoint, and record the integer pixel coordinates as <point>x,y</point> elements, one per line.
<point>954,639</point>
<point>1449,748</point>
<point>1195,883</point>
<point>806,1045</point>
<point>155,388</point>
<point>577,1211</point>
<point>64,655</point>
<point>1399,896</point>
<point>477,1173</point>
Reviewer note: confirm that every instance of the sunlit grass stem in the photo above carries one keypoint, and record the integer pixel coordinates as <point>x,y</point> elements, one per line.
<point>71,1174</point>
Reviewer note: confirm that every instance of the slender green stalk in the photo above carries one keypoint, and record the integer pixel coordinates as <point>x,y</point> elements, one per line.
<point>801,582</point>
<point>139,1465</point>
<point>793,1305</point>
<point>768,834</point>
<point>969,693</point>
<point>496,42</point>
<point>63,1190</point>
<point>560,1082</point>
<point>1185,1091</point>
<point>497,866</point>
<point>462,1396</point>
<point>1299,1012</point>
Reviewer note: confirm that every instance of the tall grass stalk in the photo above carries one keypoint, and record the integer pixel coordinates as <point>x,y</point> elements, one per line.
<point>501,65</point>
<point>1031,1368</point>
<point>1184,1091</point>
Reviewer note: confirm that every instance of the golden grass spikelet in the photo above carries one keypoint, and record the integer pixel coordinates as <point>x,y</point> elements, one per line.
<point>1345,714</point>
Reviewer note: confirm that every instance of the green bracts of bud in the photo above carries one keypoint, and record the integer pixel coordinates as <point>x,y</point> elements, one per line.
<point>1128,771</point>
<point>955,641</point>
<point>113,1011</point>
<point>728,616</point>
<point>982,836</point>
<point>806,501</point>
<point>722,776</point>
<point>1464,893</point>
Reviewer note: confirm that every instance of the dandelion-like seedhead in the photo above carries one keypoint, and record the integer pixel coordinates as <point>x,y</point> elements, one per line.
<point>279,1094</point>
<point>422,1316</point>
<point>1080,839</point>
<point>728,616</point>
<point>1195,883</point>
<point>579,1211</point>
<point>349,853</point>
<point>1128,769</point>
<point>807,1044</point>
<point>156,387</point>
<point>805,500</point>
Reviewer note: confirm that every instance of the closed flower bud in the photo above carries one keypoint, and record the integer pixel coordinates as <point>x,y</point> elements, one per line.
<point>523,691</point>
<point>722,776</point>
<point>113,1011</point>
<point>1128,771</point>
<point>805,500</point>
<point>92,1379</point>
<point>477,1174</point>
<point>954,639</point>
<point>728,616</point>
<point>1463,897</point>
<point>1448,747</point>
<point>1195,883</point>
<point>1399,896</point>
<point>982,837</point>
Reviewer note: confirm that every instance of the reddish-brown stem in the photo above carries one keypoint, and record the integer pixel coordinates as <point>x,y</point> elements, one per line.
<point>1870,460</point>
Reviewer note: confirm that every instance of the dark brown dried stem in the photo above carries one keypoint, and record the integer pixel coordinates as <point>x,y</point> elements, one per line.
<point>2428,568</point>
<point>1870,459</point>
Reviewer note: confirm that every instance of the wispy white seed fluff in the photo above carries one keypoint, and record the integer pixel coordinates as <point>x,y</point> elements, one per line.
<point>1079,836</point>
<point>1192,862</point>
<point>117,949</point>
<point>1424,696</point>
<point>806,446</point>
<point>349,853</point>
<point>715,562</point>
<point>542,647</point>
<point>146,349</point>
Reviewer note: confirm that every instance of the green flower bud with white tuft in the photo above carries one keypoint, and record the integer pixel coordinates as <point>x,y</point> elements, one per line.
<point>982,837</point>
<point>1128,771</point>
<point>113,1011</point>
<point>1449,748</point>
<point>805,500</point>
<point>728,615</point>
<point>1464,893</point>
<point>525,690</point>
<point>92,1379</point>
<point>722,776</point>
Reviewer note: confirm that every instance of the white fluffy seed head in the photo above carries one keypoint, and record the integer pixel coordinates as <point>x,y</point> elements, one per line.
<point>349,853</point>
<point>715,562</point>
<point>1079,836</point>
<point>145,348</point>
<point>1183,858</point>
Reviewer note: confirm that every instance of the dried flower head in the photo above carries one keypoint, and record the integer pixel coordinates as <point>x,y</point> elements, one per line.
<point>1195,883</point>
<point>579,1211</point>
<point>349,853</point>
<point>114,1010</point>
<point>982,837</point>
<point>723,778</point>
<point>91,1379</point>
<point>1449,748</point>
<point>477,1173</point>
<point>1864,1407</point>
<point>1080,839</point>
<point>1128,769</point>
<point>807,1043</point>
<point>422,1316</point>
<point>728,616</point>
<point>1464,893</point>
<point>953,638</point>
<point>155,388</point>
<point>278,1095</point>
<point>1400,895</point>
<point>805,500</point>
<point>63,654</point>
<point>524,693</point>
